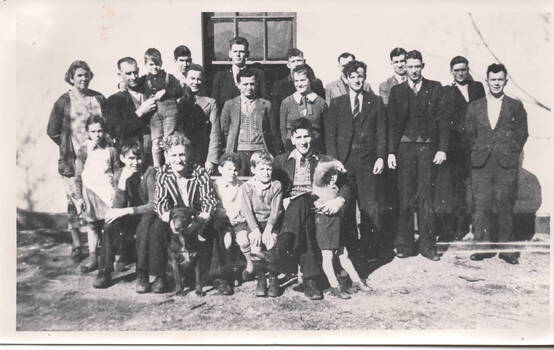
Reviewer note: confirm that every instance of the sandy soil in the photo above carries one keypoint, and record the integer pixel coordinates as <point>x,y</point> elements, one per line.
<point>413,293</point>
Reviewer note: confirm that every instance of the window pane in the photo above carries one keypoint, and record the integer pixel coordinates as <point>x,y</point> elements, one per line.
<point>224,13</point>
<point>251,13</point>
<point>253,31</point>
<point>291,14</point>
<point>223,31</point>
<point>279,39</point>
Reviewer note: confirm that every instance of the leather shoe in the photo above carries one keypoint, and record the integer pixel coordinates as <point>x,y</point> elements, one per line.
<point>274,289</point>
<point>432,255</point>
<point>77,254</point>
<point>261,286</point>
<point>510,259</point>
<point>359,286</point>
<point>91,264</point>
<point>311,290</point>
<point>158,286</point>
<point>143,286</point>
<point>247,276</point>
<point>481,256</point>
<point>223,287</point>
<point>298,288</point>
<point>402,255</point>
<point>103,279</point>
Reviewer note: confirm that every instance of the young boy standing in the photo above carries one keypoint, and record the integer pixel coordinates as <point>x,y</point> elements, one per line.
<point>261,205</point>
<point>166,89</point>
<point>245,122</point>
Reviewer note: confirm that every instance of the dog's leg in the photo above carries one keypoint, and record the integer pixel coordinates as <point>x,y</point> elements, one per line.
<point>176,276</point>
<point>199,280</point>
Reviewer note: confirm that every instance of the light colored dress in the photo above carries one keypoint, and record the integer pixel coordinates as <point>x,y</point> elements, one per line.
<point>82,108</point>
<point>95,170</point>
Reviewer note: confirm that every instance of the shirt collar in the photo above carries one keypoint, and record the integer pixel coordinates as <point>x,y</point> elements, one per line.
<point>400,78</point>
<point>310,97</point>
<point>352,94</point>
<point>294,154</point>
<point>246,102</point>
<point>417,85</point>
<point>490,97</point>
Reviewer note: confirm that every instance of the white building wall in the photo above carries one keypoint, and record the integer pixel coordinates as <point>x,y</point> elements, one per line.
<point>50,37</point>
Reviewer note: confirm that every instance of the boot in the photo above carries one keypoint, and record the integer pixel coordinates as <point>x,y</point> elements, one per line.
<point>90,264</point>
<point>261,287</point>
<point>311,289</point>
<point>143,286</point>
<point>339,293</point>
<point>274,289</point>
<point>103,279</point>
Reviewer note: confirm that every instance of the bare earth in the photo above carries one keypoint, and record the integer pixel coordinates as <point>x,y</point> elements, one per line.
<point>413,293</point>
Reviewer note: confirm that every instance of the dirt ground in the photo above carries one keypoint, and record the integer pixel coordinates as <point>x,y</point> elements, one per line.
<point>413,293</point>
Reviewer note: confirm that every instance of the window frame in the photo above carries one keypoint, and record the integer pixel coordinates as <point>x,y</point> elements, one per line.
<point>265,17</point>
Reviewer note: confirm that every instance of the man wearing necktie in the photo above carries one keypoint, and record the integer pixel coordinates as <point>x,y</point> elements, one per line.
<point>355,134</point>
<point>452,191</point>
<point>418,140</point>
<point>496,126</point>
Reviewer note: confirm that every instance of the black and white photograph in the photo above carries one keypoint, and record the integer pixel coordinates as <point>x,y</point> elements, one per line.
<point>319,172</point>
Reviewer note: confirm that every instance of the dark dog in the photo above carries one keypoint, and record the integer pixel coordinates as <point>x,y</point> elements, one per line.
<point>182,250</point>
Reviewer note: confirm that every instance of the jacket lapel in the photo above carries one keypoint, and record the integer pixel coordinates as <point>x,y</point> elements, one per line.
<point>504,108</point>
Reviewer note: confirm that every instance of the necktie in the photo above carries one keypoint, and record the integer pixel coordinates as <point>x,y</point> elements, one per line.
<point>356,109</point>
<point>414,88</point>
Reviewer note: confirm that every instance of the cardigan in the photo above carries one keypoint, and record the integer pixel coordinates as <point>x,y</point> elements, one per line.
<point>59,130</point>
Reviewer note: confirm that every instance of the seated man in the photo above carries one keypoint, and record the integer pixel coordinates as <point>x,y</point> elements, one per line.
<point>181,183</point>
<point>297,239</point>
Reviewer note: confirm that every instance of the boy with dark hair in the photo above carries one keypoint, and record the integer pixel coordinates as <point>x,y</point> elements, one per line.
<point>225,83</point>
<point>418,141</point>
<point>453,209</point>
<point>245,122</point>
<point>129,203</point>
<point>165,89</point>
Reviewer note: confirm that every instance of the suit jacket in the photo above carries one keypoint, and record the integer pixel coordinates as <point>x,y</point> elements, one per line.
<point>399,108</point>
<point>230,123</point>
<point>284,167</point>
<point>384,89</point>
<point>122,120</point>
<point>338,88</point>
<point>289,112</point>
<point>200,119</point>
<point>339,130</point>
<point>454,108</point>
<point>505,141</point>
<point>224,88</point>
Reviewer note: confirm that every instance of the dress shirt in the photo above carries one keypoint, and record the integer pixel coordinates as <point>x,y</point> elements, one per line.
<point>464,90</point>
<point>493,109</point>
<point>353,94</point>
<point>415,86</point>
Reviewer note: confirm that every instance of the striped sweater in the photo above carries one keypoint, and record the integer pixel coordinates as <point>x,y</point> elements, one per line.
<point>200,193</point>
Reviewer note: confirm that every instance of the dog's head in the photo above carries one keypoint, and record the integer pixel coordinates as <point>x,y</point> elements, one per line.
<point>183,220</point>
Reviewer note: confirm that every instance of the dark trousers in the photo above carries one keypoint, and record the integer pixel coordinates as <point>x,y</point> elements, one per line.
<point>415,162</point>
<point>493,187</point>
<point>365,192</point>
<point>296,243</point>
<point>245,162</point>
<point>452,196</point>
<point>117,239</point>
<point>152,242</point>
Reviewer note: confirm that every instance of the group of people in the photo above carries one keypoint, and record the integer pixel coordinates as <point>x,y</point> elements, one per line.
<point>306,173</point>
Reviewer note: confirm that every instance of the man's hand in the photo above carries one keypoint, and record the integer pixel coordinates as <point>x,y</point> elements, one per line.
<point>379,166</point>
<point>146,107</point>
<point>158,96</point>
<point>115,213</point>
<point>332,206</point>
<point>267,236</point>
<point>256,238</point>
<point>126,173</point>
<point>440,157</point>
<point>391,161</point>
<point>210,167</point>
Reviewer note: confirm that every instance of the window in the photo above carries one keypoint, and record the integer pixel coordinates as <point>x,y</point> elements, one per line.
<point>270,35</point>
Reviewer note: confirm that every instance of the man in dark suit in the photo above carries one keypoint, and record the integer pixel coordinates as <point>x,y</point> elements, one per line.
<point>355,134</point>
<point>224,85</point>
<point>452,183</point>
<point>129,109</point>
<point>497,130</point>
<point>418,138</point>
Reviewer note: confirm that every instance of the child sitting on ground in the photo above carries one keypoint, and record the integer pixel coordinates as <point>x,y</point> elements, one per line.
<point>328,227</point>
<point>93,194</point>
<point>261,199</point>
<point>166,89</point>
